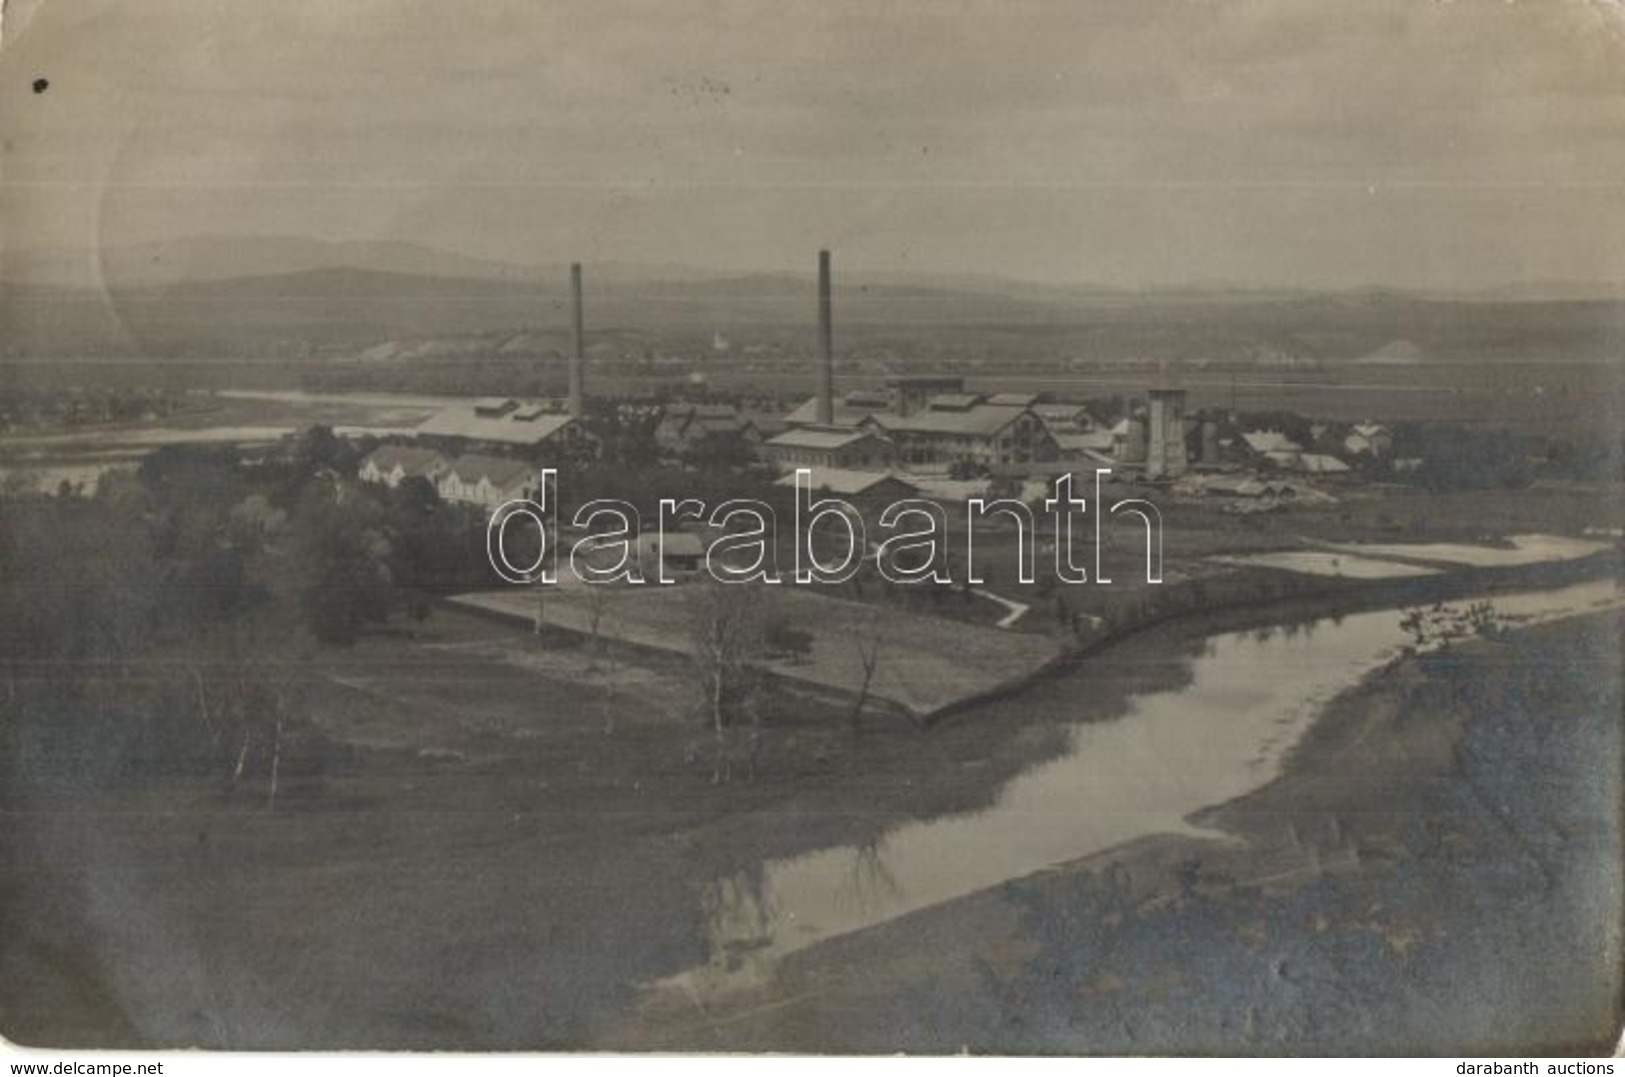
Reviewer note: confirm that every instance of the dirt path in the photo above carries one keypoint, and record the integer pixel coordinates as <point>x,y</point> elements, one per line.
<point>1014,611</point>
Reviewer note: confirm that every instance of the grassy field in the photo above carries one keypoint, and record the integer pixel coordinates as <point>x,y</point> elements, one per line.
<point>492,842</point>
<point>495,840</point>
<point>925,663</point>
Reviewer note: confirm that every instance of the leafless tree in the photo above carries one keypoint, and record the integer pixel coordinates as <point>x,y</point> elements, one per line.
<point>866,636</point>
<point>870,885</point>
<point>728,628</point>
<point>599,599</point>
<point>247,690</point>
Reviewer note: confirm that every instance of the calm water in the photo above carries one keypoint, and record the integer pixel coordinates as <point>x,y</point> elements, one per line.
<point>1251,697</point>
<point>425,401</point>
<point>1520,550</point>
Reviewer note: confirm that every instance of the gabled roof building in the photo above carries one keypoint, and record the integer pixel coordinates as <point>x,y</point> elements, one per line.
<point>392,465</point>
<point>830,447</point>
<point>489,481</point>
<point>682,426</point>
<point>961,427</point>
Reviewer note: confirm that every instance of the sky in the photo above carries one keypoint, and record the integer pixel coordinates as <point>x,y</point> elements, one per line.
<point>1406,143</point>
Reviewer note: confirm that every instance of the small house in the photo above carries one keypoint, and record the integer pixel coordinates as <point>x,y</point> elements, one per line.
<point>391,465</point>
<point>489,481</point>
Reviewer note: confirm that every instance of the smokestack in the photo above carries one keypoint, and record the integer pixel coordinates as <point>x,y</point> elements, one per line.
<point>579,350</point>
<point>826,345</point>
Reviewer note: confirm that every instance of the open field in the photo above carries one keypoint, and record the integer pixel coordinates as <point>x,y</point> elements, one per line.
<point>499,840</point>
<point>926,663</point>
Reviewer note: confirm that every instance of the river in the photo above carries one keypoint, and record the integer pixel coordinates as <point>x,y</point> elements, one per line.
<point>1250,697</point>
<point>80,457</point>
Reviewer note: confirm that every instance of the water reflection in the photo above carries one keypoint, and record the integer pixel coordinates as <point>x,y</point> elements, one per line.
<point>872,886</point>
<point>739,915</point>
<point>1249,698</point>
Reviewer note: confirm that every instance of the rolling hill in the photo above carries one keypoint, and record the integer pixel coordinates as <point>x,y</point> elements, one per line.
<point>202,298</point>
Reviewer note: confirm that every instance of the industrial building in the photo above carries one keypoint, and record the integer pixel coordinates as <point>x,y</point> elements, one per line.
<point>499,422</point>
<point>505,424</point>
<point>928,421</point>
<point>814,446</point>
<point>683,426</point>
<point>1165,456</point>
<point>966,428</point>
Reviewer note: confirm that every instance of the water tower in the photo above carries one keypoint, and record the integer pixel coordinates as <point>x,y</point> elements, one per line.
<point>1165,439</point>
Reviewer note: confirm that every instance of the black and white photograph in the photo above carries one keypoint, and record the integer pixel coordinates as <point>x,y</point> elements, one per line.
<point>788,528</point>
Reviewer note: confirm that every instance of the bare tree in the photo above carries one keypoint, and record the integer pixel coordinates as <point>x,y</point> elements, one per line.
<point>597,605</point>
<point>727,630</point>
<point>866,636</point>
<point>870,885</point>
<point>246,690</point>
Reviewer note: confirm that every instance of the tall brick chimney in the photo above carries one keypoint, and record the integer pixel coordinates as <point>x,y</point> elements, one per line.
<point>578,350</point>
<point>826,345</point>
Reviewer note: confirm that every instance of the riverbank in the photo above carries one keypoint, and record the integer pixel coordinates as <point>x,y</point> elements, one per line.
<point>498,857</point>
<point>1436,870</point>
<point>933,668</point>
<point>480,852</point>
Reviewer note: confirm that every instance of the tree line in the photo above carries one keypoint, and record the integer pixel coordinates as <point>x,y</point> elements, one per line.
<point>164,623</point>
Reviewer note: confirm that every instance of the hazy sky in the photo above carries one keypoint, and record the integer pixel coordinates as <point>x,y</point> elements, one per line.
<point>1335,142</point>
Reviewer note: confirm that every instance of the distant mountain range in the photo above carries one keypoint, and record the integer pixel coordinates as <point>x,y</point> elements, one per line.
<point>212,259</point>
<point>291,297</point>
<point>203,259</point>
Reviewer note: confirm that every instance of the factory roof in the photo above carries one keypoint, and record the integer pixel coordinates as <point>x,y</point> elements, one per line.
<point>845,414</point>
<point>517,425</point>
<point>844,481</point>
<point>978,420</point>
<point>1062,413</point>
<point>818,437</point>
<point>954,401</point>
